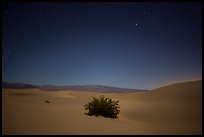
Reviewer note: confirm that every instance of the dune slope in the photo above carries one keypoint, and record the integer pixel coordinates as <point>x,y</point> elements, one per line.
<point>173,109</point>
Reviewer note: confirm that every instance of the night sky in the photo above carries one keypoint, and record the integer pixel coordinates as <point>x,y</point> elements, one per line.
<point>130,45</point>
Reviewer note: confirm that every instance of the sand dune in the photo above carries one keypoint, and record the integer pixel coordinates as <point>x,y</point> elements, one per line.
<point>173,109</point>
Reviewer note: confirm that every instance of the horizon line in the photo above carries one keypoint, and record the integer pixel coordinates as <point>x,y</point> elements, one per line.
<point>170,83</point>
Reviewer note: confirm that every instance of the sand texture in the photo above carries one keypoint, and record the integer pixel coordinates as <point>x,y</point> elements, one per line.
<point>173,109</point>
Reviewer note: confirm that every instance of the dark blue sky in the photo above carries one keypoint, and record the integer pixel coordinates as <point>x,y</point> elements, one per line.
<point>130,45</point>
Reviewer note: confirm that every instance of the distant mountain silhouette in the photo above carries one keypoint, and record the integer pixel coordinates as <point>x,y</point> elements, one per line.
<point>17,85</point>
<point>96,88</point>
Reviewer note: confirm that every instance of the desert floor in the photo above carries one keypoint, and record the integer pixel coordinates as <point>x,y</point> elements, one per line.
<point>174,109</point>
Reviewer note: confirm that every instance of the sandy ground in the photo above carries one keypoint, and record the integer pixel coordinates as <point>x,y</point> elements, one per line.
<point>174,109</point>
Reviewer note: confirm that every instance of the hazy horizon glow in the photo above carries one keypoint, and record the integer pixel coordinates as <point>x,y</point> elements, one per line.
<point>135,45</point>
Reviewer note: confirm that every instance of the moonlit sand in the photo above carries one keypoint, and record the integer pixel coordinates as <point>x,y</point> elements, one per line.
<point>174,109</point>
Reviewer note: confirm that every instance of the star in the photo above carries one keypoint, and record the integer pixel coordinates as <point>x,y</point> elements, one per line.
<point>136,24</point>
<point>5,12</point>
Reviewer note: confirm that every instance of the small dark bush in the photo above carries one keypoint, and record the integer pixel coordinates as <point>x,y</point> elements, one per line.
<point>105,107</point>
<point>46,101</point>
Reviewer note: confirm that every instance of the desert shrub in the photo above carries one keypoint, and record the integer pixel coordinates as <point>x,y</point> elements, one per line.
<point>46,101</point>
<point>105,107</point>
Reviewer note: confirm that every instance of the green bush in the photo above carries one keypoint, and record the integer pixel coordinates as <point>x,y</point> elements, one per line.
<point>105,107</point>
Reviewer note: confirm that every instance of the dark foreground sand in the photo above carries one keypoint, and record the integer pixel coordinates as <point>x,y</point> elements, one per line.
<point>174,109</point>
